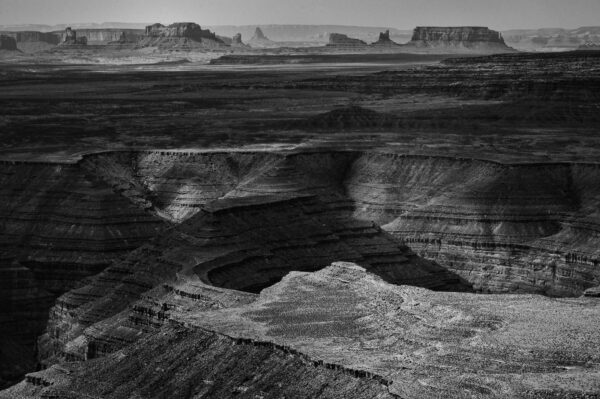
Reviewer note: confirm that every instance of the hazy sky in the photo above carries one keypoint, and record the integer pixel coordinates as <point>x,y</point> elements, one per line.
<point>403,14</point>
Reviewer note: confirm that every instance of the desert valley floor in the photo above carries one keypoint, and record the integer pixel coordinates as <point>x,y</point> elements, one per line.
<point>390,226</point>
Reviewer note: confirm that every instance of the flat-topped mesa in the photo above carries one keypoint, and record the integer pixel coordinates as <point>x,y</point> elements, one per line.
<point>470,37</point>
<point>456,34</point>
<point>187,30</point>
<point>70,38</point>
<point>341,40</point>
<point>8,43</point>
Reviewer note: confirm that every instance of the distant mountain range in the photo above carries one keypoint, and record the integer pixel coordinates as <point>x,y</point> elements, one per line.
<point>546,39</point>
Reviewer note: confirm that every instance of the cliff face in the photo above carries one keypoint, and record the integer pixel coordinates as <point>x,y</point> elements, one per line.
<point>8,43</point>
<point>105,36</point>
<point>188,30</point>
<point>246,219</point>
<point>476,38</point>
<point>57,226</point>
<point>338,332</point>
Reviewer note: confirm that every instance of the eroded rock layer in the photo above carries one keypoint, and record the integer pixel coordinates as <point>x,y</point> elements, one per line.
<point>58,226</point>
<point>338,332</point>
<point>245,243</point>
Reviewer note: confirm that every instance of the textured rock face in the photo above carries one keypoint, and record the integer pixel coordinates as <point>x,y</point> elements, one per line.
<point>502,227</point>
<point>57,226</point>
<point>384,40</point>
<point>105,36</point>
<point>8,43</point>
<point>456,34</point>
<point>340,40</point>
<point>187,30</point>
<point>70,38</point>
<point>476,38</point>
<point>338,332</point>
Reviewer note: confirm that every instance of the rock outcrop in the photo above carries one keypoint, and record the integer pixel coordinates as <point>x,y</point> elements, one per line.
<point>188,30</point>
<point>342,41</point>
<point>106,36</point>
<point>71,39</point>
<point>58,225</point>
<point>237,39</point>
<point>8,43</point>
<point>337,332</point>
<point>478,39</point>
<point>180,35</point>
<point>260,40</point>
<point>384,40</point>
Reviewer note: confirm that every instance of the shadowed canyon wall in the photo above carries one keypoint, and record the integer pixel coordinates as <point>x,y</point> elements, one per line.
<point>499,227</point>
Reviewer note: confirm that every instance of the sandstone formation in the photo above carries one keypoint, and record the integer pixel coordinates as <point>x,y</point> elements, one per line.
<point>180,35</point>
<point>384,40</point>
<point>106,36</point>
<point>459,38</point>
<point>32,41</point>
<point>237,39</point>
<point>338,332</point>
<point>57,226</point>
<point>8,43</point>
<point>260,40</point>
<point>70,38</point>
<point>343,41</point>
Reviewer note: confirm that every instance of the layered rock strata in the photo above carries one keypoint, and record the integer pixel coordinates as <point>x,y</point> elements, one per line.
<point>58,226</point>
<point>338,331</point>
<point>8,43</point>
<point>459,38</point>
<point>244,243</point>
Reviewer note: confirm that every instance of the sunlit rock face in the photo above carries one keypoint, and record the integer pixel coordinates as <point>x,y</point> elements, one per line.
<point>338,332</point>
<point>188,30</point>
<point>465,37</point>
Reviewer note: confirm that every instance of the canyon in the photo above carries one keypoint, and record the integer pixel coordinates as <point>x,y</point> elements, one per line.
<point>411,227</point>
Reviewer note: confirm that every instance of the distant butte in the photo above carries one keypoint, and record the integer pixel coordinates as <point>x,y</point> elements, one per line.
<point>473,38</point>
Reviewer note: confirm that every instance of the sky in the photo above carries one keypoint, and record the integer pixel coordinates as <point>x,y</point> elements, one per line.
<point>402,14</point>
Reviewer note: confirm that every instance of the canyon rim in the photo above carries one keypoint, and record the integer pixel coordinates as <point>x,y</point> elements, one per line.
<point>205,205</point>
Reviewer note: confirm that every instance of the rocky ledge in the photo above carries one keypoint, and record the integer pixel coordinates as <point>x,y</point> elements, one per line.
<point>338,332</point>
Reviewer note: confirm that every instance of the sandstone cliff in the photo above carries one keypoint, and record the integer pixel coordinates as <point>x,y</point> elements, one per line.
<point>8,43</point>
<point>181,35</point>
<point>338,332</point>
<point>478,39</point>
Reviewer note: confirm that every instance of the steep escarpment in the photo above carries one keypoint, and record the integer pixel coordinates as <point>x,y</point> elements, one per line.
<point>338,332</point>
<point>57,226</point>
<point>459,38</point>
<point>244,243</point>
<point>181,35</point>
<point>501,227</point>
<point>32,41</point>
